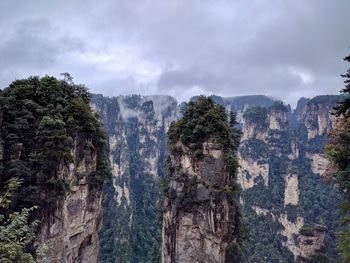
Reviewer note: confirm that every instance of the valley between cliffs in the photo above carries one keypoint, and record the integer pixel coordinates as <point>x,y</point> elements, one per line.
<point>289,210</point>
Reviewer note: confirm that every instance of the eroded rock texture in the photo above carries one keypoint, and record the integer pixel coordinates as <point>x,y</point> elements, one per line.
<point>136,128</point>
<point>280,166</point>
<point>310,242</point>
<point>198,217</point>
<point>71,231</point>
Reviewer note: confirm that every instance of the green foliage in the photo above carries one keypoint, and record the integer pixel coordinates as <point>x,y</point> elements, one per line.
<point>256,115</point>
<point>317,144</point>
<point>317,201</point>
<point>279,106</point>
<point>343,107</point>
<point>15,231</point>
<point>42,120</point>
<point>322,99</point>
<point>338,152</point>
<point>204,120</point>
<point>131,230</point>
<point>254,149</point>
<point>15,235</point>
<point>239,103</point>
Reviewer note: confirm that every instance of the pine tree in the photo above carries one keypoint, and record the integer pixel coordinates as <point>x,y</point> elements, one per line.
<point>343,107</point>
<point>338,152</point>
<point>16,233</point>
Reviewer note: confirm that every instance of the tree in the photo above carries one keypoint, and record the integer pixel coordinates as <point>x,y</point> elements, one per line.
<point>204,121</point>
<point>41,121</point>
<point>343,107</point>
<point>338,152</point>
<point>15,231</point>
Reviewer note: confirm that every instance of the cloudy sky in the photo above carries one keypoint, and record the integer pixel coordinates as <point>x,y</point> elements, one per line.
<point>281,48</point>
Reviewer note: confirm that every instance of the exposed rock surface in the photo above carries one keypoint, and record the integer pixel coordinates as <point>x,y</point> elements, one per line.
<point>319,162</point>
<point>250,170</point>
<point>290,139</point>
<point>278,120</point>
<point>53,145</point>
<point>290,230</point>
<point>136,128</point>
<point>316,115</point>
<point>71,232</point>
<point>291,192</point>
<point>263,147</point>
<point>198,228</point>
<point>311,241</point>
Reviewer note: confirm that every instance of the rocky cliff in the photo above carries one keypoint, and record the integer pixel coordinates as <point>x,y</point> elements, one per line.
<point>136,128</point>
<point>310,243</point>
<point>71,231</point>
<point>54,145</point>
<point>280,165</point>
<point>197,216</point>
<point>200,201</point>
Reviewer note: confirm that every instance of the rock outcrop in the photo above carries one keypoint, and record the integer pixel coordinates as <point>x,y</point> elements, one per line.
<point>319,162</point>
<point>71,231</point>
<point>198,217</point>
<point>53,144</point>
<point>310,242</point>
<point>275,144</point>
<point>251,170</point>
<point>200,196</point>
<point>136,128</point>
<point>280,162</point>
<point>291,192</point>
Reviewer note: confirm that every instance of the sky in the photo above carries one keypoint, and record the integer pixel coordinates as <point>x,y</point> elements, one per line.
<point>285,49</point>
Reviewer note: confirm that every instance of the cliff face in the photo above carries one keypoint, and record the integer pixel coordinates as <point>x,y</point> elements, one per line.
<point>71,231</point>
<point>53,144</point>
<point>310,242</point>
<point>316,115</point>
<point>282,157</point>
<point>197,216</point>
<point>201,217</point>
<point>281,162</point>
<point>136,128</point>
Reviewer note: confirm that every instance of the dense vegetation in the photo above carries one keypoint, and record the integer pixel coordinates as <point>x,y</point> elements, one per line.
<point>317,201</point>
<point>204,120</point>
<point>338,151</point>
<point>131,227</point>
<point>256,115</point>
<point>42,119</point>
<point>343,108</point>
<point>15,231</point>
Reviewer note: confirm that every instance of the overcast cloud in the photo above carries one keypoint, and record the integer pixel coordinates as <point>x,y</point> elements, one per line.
<point>281,48</point>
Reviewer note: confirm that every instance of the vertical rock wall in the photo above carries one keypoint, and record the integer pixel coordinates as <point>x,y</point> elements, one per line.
<point>197,215</point>
<point>136,128</point>
<point>274,190</point>
<point>71,231</point>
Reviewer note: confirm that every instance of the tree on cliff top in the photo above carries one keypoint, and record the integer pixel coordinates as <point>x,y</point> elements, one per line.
<point>41,121</point>
<point>205,120</point>
<point>338,152</point>
<point>343,108</point>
